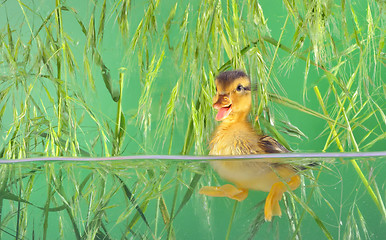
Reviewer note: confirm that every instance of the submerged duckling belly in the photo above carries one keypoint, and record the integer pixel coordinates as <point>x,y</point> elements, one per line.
<point>252,174</point>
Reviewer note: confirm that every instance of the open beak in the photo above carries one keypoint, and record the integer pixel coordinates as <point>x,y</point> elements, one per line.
<point>224,107</point>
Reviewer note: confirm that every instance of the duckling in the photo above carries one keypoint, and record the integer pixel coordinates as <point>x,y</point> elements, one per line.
<point>236,136</point>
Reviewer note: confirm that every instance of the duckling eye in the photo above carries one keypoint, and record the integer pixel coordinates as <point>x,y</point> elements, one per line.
<point>239,88</point>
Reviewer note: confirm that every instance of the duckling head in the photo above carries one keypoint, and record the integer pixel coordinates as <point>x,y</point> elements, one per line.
<point>233,96</point>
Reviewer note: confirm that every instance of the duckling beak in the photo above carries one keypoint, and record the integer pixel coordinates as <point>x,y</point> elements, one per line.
<point>224,107</point>
<point>223,112</point>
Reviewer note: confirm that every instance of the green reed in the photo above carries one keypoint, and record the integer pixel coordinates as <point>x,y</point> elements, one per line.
<point>53,76</point>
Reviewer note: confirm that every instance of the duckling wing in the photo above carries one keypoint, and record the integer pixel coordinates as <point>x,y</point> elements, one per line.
<point>270,145</point>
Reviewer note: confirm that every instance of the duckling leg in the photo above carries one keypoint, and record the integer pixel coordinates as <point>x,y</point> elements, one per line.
<point>272,207</point>
<point>227,190</point>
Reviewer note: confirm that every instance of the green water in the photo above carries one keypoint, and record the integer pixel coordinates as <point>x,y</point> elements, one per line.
<point>90,197</point>
<point>101,79</point>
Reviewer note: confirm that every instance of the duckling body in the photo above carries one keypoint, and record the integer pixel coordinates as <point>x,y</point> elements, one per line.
<point>241,139</point>
<point>236,136</point>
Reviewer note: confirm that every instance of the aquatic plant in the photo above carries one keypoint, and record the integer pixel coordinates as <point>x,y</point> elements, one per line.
<point>110,78</point>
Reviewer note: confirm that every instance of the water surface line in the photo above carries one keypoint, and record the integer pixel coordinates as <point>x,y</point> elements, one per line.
<point>201,158</point>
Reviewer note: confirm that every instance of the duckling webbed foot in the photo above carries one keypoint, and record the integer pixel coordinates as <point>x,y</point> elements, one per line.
<point>226,190</point>
<point>272,207</point>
